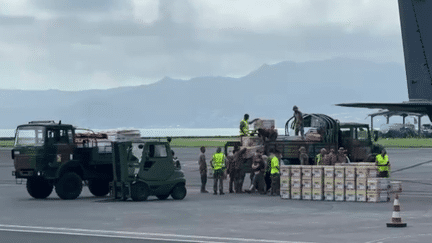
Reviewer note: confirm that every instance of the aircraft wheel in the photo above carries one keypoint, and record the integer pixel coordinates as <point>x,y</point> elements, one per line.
<point>39,188</point>
<point>69,186</point>
<point>139,191</point>
<point>179,192</point>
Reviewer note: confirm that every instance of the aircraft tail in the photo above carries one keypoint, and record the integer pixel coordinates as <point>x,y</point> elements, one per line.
<point>416,22</point>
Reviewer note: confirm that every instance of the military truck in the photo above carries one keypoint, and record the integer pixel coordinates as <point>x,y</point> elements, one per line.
<point>50,154</point>
<point>144,168</point>
<point>321,131</point>
<point>54,155</point>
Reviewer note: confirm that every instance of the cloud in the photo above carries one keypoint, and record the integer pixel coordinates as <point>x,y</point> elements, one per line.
<point>139,42</point>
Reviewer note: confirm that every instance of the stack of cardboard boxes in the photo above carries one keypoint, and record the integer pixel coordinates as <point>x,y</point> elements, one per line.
<point>353,182</point>
<point>285,181</point>
<point>339,183</point>
<point>306,182</point>
<point>318,183</point>
<point>296,182</point>
<point>329,183</point>
<point>378,190</point>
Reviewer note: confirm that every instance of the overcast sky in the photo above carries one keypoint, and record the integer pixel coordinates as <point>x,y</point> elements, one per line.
<point>100,44</point>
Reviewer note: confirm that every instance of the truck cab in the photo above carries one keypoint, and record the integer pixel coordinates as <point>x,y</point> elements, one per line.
<point>144,168</point>
<point>356,138</point>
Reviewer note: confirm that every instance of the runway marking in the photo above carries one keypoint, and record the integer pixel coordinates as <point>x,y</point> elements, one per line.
<point>130,235</point>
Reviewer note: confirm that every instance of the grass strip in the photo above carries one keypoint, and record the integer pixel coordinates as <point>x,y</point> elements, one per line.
<point>406,142</point>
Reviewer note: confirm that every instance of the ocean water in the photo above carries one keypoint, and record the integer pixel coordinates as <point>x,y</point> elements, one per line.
<point>165,132</point>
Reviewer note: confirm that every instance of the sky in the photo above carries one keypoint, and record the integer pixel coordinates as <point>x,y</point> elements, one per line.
<point>74,45</point>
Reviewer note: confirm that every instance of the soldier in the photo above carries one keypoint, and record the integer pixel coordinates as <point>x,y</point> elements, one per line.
<point>341,156</point>
<point>258,168</point>
<point>298,122</point>
<point>332,156</point>
<point>304,157</point>
<point>230,162</point>
<point>203,169</point>
<point>239,170</point>
<point>218,165</point>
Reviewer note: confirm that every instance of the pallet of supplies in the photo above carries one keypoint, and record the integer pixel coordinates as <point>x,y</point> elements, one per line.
<point>329,196</point>
<point>285,170</point>
<point>285,194</point>
<point>361,196</point>
<point>339,171</point>
<point>285,182</point>
<point>296,183</point>
<point>329,171</point>
<point>296,171</point>
<point>350,172</point>
<point>350,195</point>
<point>296,193</point>
<point>378,184</point>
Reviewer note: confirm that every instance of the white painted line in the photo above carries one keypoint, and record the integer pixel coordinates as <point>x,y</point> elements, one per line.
<point>128,234</point>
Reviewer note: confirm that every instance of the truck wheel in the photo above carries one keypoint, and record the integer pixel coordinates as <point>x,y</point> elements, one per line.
<point>39,187</point>
<point>99,188</point>
<point>162,197</point>
<point>139,191</point>
<point>69,186</point>
<point>179,192</point>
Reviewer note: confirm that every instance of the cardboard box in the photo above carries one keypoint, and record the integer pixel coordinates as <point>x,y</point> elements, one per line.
<point>318,171</point>
<point>306,195</point>
<point>350,172</point>
<point>296,183</point>
<point>396,186</point>
<point>361,196</point>
<point>285,170</point>
<point>378,196</point>
<point>339,183</point>
<point>329,185</point>
<point>329,172</point>
<point>296,171</point>
<point>317,195</point>
<point>361,184</point>
<point>378,184</point>
<point>329,196</point>
<point>350,195</point>
<point>350,185</point>
<point>285,182</point>
<point>339,196</point>
<point>285,194</point>
<point>307,184</point>
<point>296,194</point>
<point>339,171</point>
<point>306,172</point>
<point>362,172</point>
<point>318,182</point>
<point>373,172</point>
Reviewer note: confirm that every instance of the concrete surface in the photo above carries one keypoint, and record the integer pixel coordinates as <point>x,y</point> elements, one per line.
<point>215,218</point>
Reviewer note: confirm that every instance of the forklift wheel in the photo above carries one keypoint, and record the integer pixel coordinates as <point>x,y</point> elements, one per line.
<point>179,192</point>
<point>139,191</point>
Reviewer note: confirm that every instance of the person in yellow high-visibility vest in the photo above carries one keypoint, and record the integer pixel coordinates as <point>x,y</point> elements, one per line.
<point>244,125</point>
<point>320,157</point>
<point>274,172</point>
<point>383,163</point>
<point>218,165</point>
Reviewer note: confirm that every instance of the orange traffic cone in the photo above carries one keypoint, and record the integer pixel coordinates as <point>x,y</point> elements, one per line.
<point>396,219</point>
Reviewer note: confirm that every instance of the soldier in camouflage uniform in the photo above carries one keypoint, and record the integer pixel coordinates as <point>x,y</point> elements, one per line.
<point>239,170</point>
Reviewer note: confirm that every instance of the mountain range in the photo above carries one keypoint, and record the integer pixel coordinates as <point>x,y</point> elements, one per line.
<point>217,102</point>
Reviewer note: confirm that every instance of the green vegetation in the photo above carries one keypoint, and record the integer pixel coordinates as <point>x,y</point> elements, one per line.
<point>406,142</point>
<point>6,143</point>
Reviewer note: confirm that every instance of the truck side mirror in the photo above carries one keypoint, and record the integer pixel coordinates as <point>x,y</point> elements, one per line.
<point>375,136</point>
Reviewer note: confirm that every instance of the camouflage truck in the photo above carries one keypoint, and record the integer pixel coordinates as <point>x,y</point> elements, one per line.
<point>50,154</point>
<point>144,168</point>
<point>321,131</point>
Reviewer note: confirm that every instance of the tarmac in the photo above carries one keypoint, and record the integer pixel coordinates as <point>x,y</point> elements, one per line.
<point>219,218</point>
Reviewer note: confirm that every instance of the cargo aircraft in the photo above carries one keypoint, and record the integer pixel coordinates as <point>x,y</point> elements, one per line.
<point>416,25</point>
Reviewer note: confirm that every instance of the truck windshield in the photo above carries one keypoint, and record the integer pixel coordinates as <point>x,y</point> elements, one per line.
<point>30,136</point>
<point>362,133</point>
